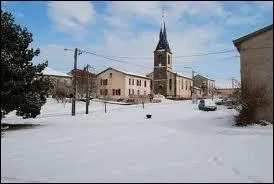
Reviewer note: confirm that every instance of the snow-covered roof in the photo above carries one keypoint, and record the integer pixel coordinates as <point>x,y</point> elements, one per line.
<point>52,72</point>
<point>183,75</point>
<point>124,72</point>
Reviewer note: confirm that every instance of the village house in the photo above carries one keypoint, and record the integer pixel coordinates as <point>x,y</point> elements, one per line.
<point>59,79</point>
<point>165,81</point>
<point>256,55</point>
<point>117,84</point>
<point>205,83</point>
<point>198,92</point>
<point>56,76</point>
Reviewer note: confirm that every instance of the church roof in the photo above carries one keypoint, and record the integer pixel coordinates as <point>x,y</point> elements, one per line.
<point>163,43</point>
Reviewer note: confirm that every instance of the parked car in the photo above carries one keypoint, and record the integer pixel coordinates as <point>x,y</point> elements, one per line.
<point>207,106</point>
<point>226,102</point>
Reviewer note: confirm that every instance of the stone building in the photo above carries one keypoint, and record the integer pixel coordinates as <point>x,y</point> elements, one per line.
<point>165,81</point>
<point>256,55</point>
<point>205,83</point>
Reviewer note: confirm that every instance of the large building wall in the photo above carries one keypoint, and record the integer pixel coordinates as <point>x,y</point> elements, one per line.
<point>257,69</point>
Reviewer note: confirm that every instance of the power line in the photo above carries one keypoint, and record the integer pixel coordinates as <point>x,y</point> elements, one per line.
<point>99,55</point>
<point>194,55</point>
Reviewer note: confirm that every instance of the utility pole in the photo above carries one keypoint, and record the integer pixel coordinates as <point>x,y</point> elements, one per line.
<point>74,83</point>
<point>76,52</point>
<point>87,89</point>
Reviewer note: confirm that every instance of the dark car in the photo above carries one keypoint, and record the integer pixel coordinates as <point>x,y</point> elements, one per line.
<point>207,106</point>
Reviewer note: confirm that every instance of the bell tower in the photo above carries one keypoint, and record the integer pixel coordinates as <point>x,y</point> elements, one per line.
<point>162,62</point>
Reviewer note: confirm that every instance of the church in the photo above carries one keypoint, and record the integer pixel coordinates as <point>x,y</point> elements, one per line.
<point>165,81</point>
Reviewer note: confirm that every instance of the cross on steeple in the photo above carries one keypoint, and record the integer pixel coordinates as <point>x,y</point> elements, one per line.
<point>163,43</point>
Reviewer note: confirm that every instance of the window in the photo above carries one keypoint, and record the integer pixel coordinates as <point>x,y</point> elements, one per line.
<point>132,81</point>
<point>129,81</point>
<point>133,91</point>
<point>169,59</point>
<point>128,91</point>
<point>170,84</point>
<point>160,60</point>
<point>186,85</point>
<point>140,82</point>
<point>145,83</point>
<point>116,92</point>
<point>182,83</point>
<point>138,92</point>
<point>104,82</point>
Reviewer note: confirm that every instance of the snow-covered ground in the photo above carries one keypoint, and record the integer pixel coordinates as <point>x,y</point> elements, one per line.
<point>178,144</point>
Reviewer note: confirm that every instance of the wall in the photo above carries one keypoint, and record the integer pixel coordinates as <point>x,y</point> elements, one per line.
<point>117,81</point>
<point>257,69</point>
<point>183,89</point>
<point>134,87</point>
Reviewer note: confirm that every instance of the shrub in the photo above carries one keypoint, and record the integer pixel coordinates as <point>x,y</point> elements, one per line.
<point>248,98</point>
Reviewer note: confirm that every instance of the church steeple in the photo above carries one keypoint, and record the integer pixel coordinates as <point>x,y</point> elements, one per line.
<point>160,34</point>
<point>163,43</point>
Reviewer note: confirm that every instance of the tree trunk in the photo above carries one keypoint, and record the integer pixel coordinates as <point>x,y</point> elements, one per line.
<point>105,107</point>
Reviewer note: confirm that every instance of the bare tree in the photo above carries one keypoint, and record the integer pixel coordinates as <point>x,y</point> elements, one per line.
<point>248,97</point>
<point>61,91</point>
<point>213,90</point>
<point>81,80</point>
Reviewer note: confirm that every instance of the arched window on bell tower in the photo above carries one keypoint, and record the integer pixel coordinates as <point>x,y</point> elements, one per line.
<point>160,60</point>
<point>168,60</point>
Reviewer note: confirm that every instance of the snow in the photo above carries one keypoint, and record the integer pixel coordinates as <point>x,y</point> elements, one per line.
<point>50,71</point>
<point>178,144</point>
<point>129,73</point>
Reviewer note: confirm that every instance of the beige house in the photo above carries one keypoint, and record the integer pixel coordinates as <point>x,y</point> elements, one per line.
<point>256,54</point>
<point>118,84</point>
<point>166,82</point>
<point>205,83</point>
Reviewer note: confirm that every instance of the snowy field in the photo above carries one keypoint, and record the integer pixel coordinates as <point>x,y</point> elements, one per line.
<point>179,144</point>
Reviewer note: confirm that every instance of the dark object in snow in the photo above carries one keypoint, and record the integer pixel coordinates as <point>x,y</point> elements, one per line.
<point>148,116</point>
